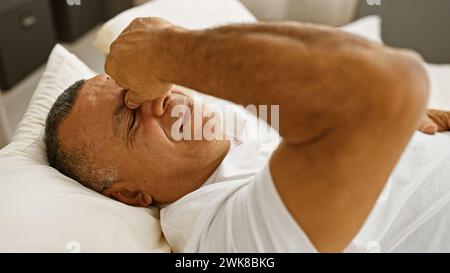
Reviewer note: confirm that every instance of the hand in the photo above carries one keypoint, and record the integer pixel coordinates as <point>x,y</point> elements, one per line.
<point>435,121</point>
<point>133,61</point>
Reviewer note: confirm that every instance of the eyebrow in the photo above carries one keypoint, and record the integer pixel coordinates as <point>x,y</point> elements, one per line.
<point>120,108</point>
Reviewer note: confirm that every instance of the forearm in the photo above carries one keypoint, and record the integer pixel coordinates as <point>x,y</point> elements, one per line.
<point>314,74</point>
<point>241,63</point>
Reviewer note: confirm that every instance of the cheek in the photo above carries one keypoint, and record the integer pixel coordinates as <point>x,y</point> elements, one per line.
<point>153,149</point>
<point>152,134</point>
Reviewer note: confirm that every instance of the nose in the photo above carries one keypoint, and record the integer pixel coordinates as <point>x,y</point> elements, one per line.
<point>157,107</point>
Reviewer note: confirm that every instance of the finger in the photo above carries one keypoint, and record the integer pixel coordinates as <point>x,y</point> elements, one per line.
<point>133,100</point>
<point>108,65</point>
<point>427,126</point>
<point>135,23</point>
<point>440,118</point>
<point>116,74</point>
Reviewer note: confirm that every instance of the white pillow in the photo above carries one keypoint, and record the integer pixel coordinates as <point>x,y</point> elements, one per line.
<point>42,210</point>
<point>199,14</point>
<point>439,75</point>
<point>191,14</point>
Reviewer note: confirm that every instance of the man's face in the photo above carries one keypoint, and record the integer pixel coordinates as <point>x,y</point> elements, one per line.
<point>137,147</point>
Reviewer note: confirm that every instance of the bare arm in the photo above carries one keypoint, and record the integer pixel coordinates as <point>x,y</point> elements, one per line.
<point>303,68</point>
<point>435,121</point>
<point>341,99</point>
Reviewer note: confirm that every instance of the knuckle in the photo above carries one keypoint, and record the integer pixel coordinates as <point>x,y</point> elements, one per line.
<point>108,66</point>
<point>138,21</point>
<point>411,54</point>
<point>113,46</point>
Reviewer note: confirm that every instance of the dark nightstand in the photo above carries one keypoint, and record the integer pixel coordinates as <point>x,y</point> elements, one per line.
<point>26,38</point>
<point>73,18</point>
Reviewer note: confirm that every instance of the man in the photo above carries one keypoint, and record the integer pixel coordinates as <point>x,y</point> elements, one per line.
<point>347,109</point>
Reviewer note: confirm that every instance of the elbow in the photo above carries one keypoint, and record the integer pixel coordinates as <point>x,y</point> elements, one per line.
<point>373,87</point>
<point>407,91</point>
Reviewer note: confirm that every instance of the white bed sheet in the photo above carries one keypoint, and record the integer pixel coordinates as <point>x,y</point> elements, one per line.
<point>439,75</point>
<point>417,191</point>
<point>191,14</point>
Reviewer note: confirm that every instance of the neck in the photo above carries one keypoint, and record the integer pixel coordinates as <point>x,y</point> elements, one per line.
<point>194,179</point>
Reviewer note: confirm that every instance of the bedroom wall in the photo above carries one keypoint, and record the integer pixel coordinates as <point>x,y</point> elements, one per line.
<point>418,24</point>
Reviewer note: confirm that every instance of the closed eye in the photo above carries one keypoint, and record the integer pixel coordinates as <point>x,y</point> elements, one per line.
<point>132,120</point>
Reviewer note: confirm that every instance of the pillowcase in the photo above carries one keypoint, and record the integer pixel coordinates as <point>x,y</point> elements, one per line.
<point>43,210</point>
<point>200,14</point>
<point>191,14</point>
<point>439,76</point>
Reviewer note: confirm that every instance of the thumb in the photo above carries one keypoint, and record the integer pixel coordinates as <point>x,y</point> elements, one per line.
<point>133,100</point>
<point>427,126</point>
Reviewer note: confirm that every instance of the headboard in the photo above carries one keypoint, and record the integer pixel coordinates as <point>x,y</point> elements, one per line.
<point>418,24</point>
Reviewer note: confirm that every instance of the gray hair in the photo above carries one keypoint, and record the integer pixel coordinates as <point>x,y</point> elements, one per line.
<point>77,162</point>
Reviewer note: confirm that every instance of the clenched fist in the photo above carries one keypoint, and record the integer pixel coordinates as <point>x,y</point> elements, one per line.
<point>134,63</point>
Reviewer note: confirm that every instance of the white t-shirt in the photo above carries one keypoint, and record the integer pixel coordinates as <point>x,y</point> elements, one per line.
<point>239,210</point>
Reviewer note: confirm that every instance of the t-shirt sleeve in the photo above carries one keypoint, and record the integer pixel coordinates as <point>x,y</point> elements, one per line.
<point>243,215</point>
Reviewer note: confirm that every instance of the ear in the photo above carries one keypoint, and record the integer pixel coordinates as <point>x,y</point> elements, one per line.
<point>132,197</point>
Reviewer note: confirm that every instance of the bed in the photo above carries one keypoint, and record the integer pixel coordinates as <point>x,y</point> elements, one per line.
<point>43,211</point>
